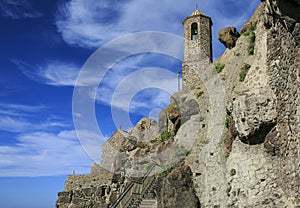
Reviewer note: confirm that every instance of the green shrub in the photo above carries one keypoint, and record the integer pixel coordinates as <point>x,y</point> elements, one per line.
<point>232,172</point>
<point>171,107</point>
<point>251,38</point>
<point>250,49</point>
<point>181,151</point>
<point>219,67</point>
<point>244,70</point>
<point>246,66</point>
<point>165,170</point>
<point>252,26</point>
<point>251,45</point>
<point>198,93</point>
<point>165,135</point>
<point>228,190</point>
<point>227,120</point>
<point>250,29</point>
<point>243,76</point>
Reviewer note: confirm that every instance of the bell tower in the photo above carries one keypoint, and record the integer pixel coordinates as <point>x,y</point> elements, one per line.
<point>197,47</point>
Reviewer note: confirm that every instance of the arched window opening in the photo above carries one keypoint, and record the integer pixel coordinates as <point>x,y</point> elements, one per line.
<point>194,31</point>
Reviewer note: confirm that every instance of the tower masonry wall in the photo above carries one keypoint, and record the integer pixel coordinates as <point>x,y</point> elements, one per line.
<point>197,53</point>
<point>191,70</point>
<point>193,48</point>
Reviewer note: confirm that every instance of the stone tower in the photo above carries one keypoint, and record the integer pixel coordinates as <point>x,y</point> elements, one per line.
<point>197,47</point>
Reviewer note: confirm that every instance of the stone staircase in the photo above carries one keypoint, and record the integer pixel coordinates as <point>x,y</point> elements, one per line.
<point>148,203</point>
<point>139,194</point>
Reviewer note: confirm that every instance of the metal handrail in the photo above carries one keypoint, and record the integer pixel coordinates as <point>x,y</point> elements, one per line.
<point>127,190</point>
<point>119,199</point>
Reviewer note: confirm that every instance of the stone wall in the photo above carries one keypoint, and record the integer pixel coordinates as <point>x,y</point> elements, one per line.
<point>190,70</point>
<point>111,150</point>
<point>74,182</point>
<point>262,169</point>
<point>85,191</point>
<point>283,61</point>
<point>79,198</point>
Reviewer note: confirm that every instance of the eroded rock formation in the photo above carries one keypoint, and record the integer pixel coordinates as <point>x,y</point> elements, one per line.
<point>248,157</point>
<point>228,36</point>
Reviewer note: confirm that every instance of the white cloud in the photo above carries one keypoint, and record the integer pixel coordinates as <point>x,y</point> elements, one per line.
<point>51,73</point>
<point>18,9</point>
<point>12,109</point>
<point>26,118</point>
<point>41,147</point>
<point>139,92</point>
<point>21,124</point>
<point>44,154</point>
<point>90,23</point>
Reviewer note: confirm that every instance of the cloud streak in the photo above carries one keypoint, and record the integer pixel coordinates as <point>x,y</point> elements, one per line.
<point>18,9</point>
<point>64,74</point>
<point>41,147</point>
<point>54,73</point>
<point>89,23</point>
<point>44,154</point>
<point>19,118</point>
<point>18,125</point>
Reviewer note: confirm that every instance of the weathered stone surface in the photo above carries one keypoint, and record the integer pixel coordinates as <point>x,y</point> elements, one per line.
<point>188,109</point>
<point>145,130</point>
<point>129,144</point>
<point>254,114</point>
<point>74,182</point>
<point>258,166</point>
<point>85,198</point>
<point>176,190</point>
<point>296,33</point>
<point>228,36</point>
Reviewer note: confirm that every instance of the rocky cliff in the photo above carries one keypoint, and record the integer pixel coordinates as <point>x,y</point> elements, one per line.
<point>232,141</point>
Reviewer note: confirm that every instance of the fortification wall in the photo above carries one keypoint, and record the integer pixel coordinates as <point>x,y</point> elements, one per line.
<point>75,182</point>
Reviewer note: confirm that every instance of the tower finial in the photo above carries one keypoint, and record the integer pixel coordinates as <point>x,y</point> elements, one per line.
<point>197,5</point>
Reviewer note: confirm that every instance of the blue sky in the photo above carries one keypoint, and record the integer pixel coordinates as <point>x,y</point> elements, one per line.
<point>43,47</point>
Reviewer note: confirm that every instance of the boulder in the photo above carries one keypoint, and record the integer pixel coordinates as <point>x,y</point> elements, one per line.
<point>228,36</point>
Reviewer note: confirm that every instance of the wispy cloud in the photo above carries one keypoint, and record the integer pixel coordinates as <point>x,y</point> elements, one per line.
<point>41,145</point>
<point>18,9</point>
<point>147,88</point>
<point>44,154</point>
<point>16,109</point>
<point>51,73</point>
<point>21,124</point>
<point>90,23</point>
<point>127,80</point>
<point>25,118</point>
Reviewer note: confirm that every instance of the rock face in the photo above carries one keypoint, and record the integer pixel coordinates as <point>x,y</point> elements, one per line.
<point>228,36</point>
<point>175,190</point>
<point>203,154</point>
<point>265,110</point>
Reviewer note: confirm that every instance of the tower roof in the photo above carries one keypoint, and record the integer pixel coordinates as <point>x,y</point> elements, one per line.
<point>197,12</point>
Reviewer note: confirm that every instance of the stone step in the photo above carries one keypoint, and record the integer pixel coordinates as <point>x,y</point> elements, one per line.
<point>148,203</point>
